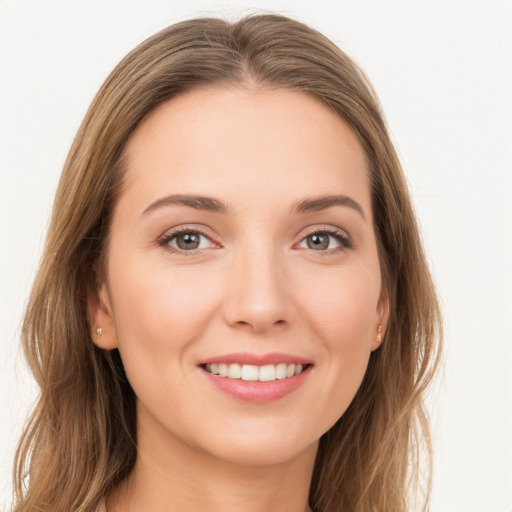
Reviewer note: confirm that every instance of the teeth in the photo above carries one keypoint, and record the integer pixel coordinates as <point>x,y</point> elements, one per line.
<point>281,371</point>
<point>249,372</point>
<point>267,373</point>
<point>234,371</point>
<point>290,370</point>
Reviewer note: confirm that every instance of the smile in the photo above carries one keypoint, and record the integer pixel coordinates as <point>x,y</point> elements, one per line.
<point>249,372</point>
<point>256,378</point>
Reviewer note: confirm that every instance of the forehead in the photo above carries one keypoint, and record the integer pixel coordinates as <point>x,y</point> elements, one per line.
<point>257,142</point>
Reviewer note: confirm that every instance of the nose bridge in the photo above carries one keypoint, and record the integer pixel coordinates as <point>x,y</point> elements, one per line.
<point>257,292</point>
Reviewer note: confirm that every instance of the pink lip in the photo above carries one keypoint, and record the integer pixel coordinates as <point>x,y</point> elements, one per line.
<point>254,391</point>
<point>256,359</point>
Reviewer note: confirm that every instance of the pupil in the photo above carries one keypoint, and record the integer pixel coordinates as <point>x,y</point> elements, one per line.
<point>318,241</point>
<point>188,241</point>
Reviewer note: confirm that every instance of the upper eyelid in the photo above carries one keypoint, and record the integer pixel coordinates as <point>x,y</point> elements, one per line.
<point>169,233</point>
<point>324,229</point>
<point>329,229</point>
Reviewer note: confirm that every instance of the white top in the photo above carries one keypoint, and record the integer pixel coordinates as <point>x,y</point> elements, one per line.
<point>102,507</point>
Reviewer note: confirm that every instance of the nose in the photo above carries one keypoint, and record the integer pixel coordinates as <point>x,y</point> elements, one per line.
<point>258,294</point>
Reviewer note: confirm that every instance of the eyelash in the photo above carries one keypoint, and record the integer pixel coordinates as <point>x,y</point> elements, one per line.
<point>338,234</point>
<point>168,237</point>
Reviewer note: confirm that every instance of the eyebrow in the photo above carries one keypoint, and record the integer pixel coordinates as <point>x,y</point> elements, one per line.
<point>316,204</point>
<point>210,204</point>
<point>197,202</point>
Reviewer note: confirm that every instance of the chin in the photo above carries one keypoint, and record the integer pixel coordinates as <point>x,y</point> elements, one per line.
<point>263,446</point>
<point>255,455</point>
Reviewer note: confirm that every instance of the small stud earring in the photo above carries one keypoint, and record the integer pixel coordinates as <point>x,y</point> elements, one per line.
<point>99,332</point>
<point>379,335</point>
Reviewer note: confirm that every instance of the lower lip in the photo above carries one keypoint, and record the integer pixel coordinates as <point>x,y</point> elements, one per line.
<point>257,392</point>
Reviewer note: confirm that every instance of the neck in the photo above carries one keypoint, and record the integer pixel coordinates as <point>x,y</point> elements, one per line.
<point>169,475</point>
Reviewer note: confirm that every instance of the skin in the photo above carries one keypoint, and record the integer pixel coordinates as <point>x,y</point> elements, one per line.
<point>256,284</point>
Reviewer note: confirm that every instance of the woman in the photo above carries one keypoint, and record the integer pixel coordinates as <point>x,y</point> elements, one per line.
<point>233,310</point>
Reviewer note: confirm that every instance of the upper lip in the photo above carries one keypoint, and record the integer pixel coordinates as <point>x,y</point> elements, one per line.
<point>255,359</point>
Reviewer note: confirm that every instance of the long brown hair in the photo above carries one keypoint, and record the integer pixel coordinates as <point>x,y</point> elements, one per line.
<point>81,440</point>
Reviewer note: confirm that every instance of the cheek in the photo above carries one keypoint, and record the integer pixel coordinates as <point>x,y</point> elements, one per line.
<point>342,306</point>
<point>158,310</point>
<point>341,313</point>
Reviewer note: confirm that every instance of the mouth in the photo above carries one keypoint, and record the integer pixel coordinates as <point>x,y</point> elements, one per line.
<point>254,373</point>
<point>257,379</point>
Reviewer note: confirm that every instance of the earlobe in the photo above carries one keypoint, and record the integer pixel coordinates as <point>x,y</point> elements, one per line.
<point>382,320</point>
<point>101,319</point>
<point>379,334</point>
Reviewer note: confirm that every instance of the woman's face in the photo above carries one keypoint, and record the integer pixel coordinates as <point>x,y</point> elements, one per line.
<point>242,244</point>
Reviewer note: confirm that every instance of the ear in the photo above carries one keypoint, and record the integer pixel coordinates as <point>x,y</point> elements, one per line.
<point>381,320</point>
<point>101,318</point>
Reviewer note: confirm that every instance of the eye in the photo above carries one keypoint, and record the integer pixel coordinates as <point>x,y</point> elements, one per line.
<point>326,240</point>
<point>185,241</point>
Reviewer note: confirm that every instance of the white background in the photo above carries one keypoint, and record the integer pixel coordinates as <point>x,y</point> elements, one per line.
<point>443,70</point>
